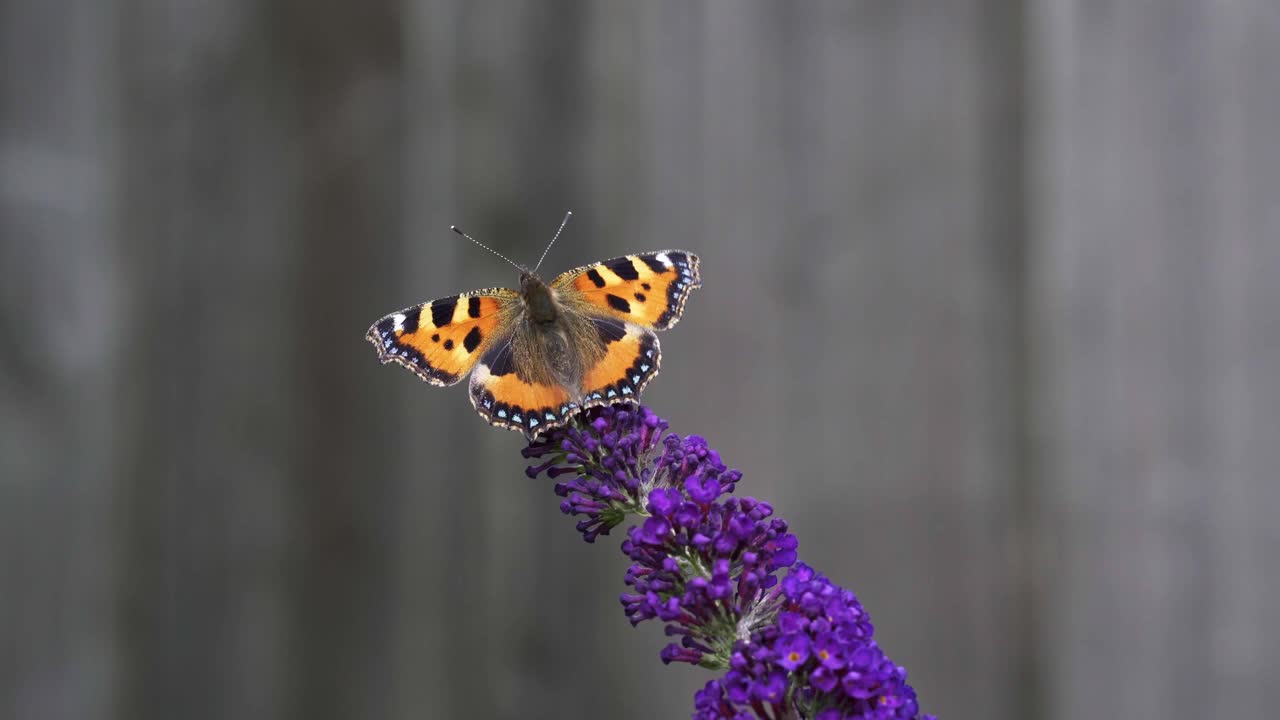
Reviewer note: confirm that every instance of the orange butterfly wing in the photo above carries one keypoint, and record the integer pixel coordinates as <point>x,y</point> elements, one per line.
<point>648,289</point>
<point>640,293</point>
<point>632,358</point>
<point>442,340</point>
<point>504,399</point>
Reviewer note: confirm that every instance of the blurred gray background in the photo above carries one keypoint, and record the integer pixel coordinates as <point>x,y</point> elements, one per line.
<point>991,314</point>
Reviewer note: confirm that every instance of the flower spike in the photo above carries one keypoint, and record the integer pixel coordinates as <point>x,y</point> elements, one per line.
<point>707,564</point>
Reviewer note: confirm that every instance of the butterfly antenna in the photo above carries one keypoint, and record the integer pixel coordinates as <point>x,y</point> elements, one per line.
<point>553,240</point>
<point>458,230</point>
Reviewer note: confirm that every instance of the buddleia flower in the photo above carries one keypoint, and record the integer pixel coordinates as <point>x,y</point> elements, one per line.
<point>709,566</point>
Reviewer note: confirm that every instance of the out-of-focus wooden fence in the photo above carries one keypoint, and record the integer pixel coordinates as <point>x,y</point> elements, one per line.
<point>991,315</point>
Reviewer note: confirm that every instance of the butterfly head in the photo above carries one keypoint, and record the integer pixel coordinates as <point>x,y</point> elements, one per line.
<point>528,279</point>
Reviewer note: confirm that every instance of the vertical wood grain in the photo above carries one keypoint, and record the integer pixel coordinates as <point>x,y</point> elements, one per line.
<point>64,293</point>
<point>1157,227</point>
<point>206,192</point>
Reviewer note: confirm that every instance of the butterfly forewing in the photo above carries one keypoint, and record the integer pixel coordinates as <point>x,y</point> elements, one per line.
<point>648,289</point>
<point>441,340</point>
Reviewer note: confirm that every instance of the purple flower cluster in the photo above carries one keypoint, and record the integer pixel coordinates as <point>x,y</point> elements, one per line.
<point>615,458</point>
<point>704,567</point>
<point>818,659</point>
<point>705,563</point>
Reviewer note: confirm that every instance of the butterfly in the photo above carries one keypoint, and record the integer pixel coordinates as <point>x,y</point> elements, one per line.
<point>542,354</point>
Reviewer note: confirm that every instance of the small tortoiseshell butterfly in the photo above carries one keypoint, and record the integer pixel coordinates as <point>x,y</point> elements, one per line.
<point>540,355</point>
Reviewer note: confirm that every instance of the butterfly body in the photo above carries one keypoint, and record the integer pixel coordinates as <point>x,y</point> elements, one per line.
<point>540,355</point>
<point>552,341</point>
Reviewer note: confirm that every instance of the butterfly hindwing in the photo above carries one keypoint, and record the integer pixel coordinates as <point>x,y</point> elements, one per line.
<point>648,289</point>
<point>631,359</point>
<point>441,341</point>
<point>505,399</point>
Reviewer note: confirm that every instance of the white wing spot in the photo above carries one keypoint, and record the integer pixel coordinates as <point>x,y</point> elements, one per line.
<point>398,318</point>
<point>662,258</point>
